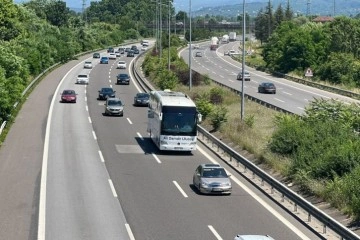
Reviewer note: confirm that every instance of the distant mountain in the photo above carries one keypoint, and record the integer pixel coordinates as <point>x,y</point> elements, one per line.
<point>75,5</point>
<point>228,8</point>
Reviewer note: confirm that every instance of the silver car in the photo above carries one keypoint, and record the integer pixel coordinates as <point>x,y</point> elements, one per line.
<point>253,237</point>
<point>82,79</point>
<point>212,178</point>
<point>114,106</point>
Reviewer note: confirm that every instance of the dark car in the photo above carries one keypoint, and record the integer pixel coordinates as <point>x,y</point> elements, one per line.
<point>106,92</point>
<point>133,47</point>
<point>267,87</point>
<point>198,54</point>
<point>104,60</point>
<point>130,53</point>
<point>141,99</point>
<point>123,78</point>
<point>127,49</point>
<point>114,106</point>
<point>110,50</point>
<point>136,51</point>
<point>96,55</point>
<point>68,96</point>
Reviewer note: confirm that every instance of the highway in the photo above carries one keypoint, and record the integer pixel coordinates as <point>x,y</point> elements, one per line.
<point>69,172</point>
<point>291,96</point>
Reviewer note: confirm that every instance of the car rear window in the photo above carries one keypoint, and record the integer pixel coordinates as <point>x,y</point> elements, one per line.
<point>82,76</point>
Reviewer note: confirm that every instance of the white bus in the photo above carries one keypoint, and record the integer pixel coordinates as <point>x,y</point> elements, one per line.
<point>172,121</point>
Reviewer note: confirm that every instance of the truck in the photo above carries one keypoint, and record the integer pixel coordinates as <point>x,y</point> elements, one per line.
<point>232,36</point>
<point>225,38</point>
<point>214,43</point>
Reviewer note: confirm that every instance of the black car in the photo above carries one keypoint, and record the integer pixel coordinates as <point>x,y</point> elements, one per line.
<point>121,50</point>
<point>141,99</point>
<point>106,92</point>
<point>136,51</point>
<point>130,53</point>
<point>133,47</point>
<point>96,55</point>
<point>267,87</point>
<point>123,78</point>
<point>110,50</point>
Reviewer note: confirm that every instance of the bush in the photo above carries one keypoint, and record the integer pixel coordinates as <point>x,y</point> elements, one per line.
<point>217,95</point>
<point>218,117</point>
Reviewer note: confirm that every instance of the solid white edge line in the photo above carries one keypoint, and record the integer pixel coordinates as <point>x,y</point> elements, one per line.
<point>212,229</point>
<point>42,198</point>
<point>141,137</point>
<point>128,229</point>
<point>112,188</point>
<point>156,158</point>
<point>101,156</point>
<point>262,202</point>
<point>180,189</point>
<point>129,120</point>
<point>89,119</point>
<point>86,108</point>
<point>94,135</point>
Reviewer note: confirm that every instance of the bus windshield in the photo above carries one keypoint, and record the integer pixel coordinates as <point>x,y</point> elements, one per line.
<point>179,121</point>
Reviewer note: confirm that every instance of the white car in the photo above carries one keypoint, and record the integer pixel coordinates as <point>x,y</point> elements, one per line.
<point>143,48</point>
<point>112,56</point>
<point>121,65</point>
<point>231,52</point>
<point>82,79</point>
<point>88,64</point>
<point>253,237</point>
<point>117,53</point>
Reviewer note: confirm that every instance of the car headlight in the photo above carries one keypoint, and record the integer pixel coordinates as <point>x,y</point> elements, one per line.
<point>204,184</point>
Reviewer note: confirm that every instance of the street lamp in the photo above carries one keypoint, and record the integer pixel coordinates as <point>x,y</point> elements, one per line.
<point>190,73</point>
<point>243,65</point>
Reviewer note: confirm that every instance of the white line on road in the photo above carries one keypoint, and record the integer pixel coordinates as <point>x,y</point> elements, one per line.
<point>112,188</point>
<point>156,158</point>
<point>94,135</point>
<point>129,120</point>
<point>85,99</point>
<point>110,85</point>
<point>128,229</point>
<point>212,229</point>
<point>85,89</point>
<point>141,137</point>
<point>101,156</point>
<point>180,189</point>
<point>300,108</point>
<point>86,108</point>
<point>288,93</point>
<point>279,100</point>
<point>89,119</point>
<point>221,76</point>
<point>109,80</point>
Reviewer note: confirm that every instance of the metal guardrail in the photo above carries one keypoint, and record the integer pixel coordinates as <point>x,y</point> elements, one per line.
<point>326,220</point>
<point>318,85</point>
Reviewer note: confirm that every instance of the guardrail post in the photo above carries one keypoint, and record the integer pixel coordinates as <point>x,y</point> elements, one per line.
<point>324,228</point>
<point>262,182</point>
<point>253,175</point>
<point>272,189</point>
<point>309,217</point>
<point>295,207</point>
<point>282,197</point>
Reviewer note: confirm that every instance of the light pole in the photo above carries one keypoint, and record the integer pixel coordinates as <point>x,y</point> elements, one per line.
<point>190,72</point>
<point>243,64</point>
<point>169,39</point>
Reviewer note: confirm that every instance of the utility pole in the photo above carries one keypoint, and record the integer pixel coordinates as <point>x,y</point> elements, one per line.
<point>243,65</point>
<point>190,56</point>
<point>83,11</point>
<point>308,8</point>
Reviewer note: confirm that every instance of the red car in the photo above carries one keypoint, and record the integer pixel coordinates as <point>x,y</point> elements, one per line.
<point>68,96</point>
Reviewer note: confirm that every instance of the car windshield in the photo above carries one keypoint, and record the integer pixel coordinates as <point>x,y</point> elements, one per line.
<point>87,62</point>
<point>114,103</point>
<point>142,95</point>
<point>107,90</point>
<point>69,92</point>
<point>82,76</point>
<point>121,62</point>
<point>214,173</point>
<point>268,84</point>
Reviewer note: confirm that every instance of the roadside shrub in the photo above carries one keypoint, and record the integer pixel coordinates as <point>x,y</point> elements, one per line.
<point>218,117</point>
<point>250,120</point>
<point>204,106</point>
<point>217,95</point>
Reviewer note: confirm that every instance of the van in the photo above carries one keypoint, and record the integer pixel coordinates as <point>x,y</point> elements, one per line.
<point>145,43</point>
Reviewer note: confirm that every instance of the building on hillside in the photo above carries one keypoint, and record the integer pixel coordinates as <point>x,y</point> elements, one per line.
<point>323,19</point>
